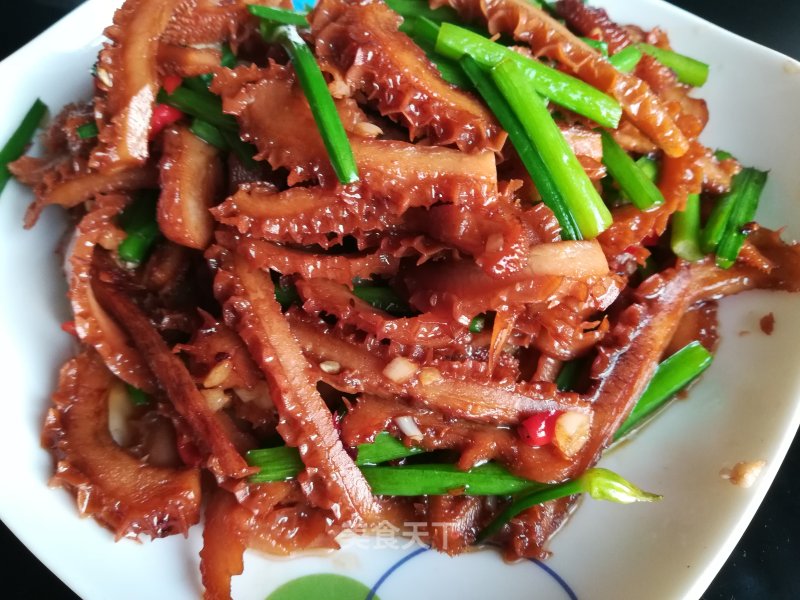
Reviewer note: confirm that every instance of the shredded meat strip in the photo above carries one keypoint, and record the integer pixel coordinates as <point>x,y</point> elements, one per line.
<point>93,324</point>
<point>360,44</point>
<point>128,81</point>
<point>250,308</point>
<point>402,173</point>
<point>120,491</point>
<point>223,459</point>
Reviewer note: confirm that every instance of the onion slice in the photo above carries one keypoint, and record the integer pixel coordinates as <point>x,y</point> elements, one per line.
<point>569,259</point>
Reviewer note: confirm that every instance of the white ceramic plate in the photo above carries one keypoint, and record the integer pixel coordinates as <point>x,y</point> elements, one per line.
<point>745,408</point>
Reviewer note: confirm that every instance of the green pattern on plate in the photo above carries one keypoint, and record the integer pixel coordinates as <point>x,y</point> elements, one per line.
<point>324,586</point>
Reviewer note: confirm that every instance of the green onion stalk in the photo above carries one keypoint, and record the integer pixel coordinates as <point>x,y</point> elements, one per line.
<point>384,298</point>
<point>724,232</point>
<point>319,99</point>
<point>414,9</point>
<point>20,139</point>
<point>685,237</point>
<point>136,396</point>
<point>632,180</point>
<point>688,70</point>
<point>279,15</point>
<point>138,220</point>
<point>599,45</point>
<point>672,375</point>
<point>525,147</point>
<point>626,59</point>
<point>600,484</point>
<point>201,104</point>
<point>424,32</point>
<point>88,131</point>
<point>454,42</point>
<point>477,324</point>
<point>579,194</point>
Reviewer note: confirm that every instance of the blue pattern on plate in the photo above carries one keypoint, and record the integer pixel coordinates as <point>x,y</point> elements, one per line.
<point>382,579</point>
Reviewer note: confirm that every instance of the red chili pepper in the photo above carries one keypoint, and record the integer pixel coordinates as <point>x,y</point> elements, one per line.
<point>163,115</point>
<point>171,83</point>
<point>538,429</point>
<point>69,327</point>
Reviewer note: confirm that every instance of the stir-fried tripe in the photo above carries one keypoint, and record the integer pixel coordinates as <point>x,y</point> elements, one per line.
<point>380,262</point>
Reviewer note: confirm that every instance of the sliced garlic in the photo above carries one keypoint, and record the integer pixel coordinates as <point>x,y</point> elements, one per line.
<point>571,432</point>
<point>218,374</point>
<point>430,375</point>
<point>400,369</point>
<point>409,427</point>
<point>216,398</point>
<point>330,366</point>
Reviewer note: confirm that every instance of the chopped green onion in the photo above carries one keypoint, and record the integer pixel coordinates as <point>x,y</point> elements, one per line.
<point>477,324</point>
<point>228,59</point>
<point>685,238</point>
<point>636,185</point>
<point>490,479</point>
<point>283,462</point>
<point>600,484</point>
<point>422,30</point>
<point>319,99</point>
<point>599,45</point>
<point>243,150</point>
<point>384,298</point>
<point>568,375</point>
<point>386,447</point>
<point>671,376</point>
<point>419,8</point>
<point>286,294</point>
<point>424,33</point>
<point>278,15</point>
<point>208,133</point>
<point>580,196</point>
<point>746,190</point>
<point>225,140</point>
<point>137,396</point>
<point>198,84</point>
<point>88,131</point>
<point>748,182</point>
<point>137,244</point>
<point>721,155</point>
<point>524,146</point>
<point>712,233</point>
<point>381,297</point>
<point>201,104</point>
<point>276,464</point>
<point>689,70</point>
<point>451,72</point>
<point>19,140</point>
<point>574,94</point>
<point>626,59</point>
<point>139,223</point>
<point>648,166</point>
